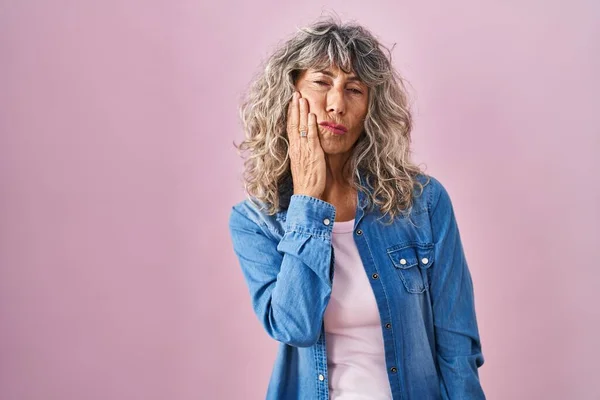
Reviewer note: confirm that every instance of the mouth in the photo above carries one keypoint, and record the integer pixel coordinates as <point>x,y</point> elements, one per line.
<point>336,129</point>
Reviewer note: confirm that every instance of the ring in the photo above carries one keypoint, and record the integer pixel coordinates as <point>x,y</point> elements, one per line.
<point>303,133</point>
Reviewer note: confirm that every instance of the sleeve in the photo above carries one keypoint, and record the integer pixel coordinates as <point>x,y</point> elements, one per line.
<point>458,345</point>
<point>289,280</point>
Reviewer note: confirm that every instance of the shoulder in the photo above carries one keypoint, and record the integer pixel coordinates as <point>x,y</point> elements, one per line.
<point>434,192</point>
<point>245,210</point>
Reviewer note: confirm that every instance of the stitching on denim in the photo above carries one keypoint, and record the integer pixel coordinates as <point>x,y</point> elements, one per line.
<point>323,386</point>
<point>324,234</point>
<point>411,243</point>
<point>430,196</point>
<point>313,199</point>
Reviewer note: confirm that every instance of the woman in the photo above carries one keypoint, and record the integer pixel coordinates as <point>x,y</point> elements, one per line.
<point>351,254</point>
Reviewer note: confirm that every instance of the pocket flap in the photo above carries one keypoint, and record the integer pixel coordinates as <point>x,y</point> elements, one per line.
<point>411,255</point>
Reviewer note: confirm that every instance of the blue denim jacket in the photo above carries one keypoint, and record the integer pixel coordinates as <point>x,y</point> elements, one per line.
<point>417,270</point>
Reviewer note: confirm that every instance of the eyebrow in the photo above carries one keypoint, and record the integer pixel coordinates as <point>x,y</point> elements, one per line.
<point>329,73</point>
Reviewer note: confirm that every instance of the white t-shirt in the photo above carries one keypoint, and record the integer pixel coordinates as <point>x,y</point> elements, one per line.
<point>355,350</point>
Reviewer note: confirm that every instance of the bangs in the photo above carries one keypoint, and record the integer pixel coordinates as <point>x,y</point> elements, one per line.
<point>348,53</point>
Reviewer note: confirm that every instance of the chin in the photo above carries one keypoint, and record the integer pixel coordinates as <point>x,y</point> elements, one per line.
<point>331,150</point>
<point>334,145</point>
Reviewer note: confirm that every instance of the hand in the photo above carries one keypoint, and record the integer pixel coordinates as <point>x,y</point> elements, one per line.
<point>307,159</point>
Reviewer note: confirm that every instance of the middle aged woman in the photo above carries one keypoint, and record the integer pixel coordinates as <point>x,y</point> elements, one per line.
<point>351,253</point>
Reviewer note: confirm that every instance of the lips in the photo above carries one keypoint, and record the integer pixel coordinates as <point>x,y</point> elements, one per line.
<point>334,128</point>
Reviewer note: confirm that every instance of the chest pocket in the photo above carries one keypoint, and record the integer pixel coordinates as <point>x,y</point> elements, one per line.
<point>412,261</point>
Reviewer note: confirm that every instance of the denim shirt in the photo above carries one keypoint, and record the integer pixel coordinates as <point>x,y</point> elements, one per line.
<point>417,271</point>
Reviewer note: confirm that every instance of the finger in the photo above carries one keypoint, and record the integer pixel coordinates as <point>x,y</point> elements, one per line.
<point>293,117</point>
<point>313,131</point>
<point>303,123</point>
<point>292,130</point>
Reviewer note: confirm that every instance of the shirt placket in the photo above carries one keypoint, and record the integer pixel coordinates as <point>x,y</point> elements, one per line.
<point>321,363</point>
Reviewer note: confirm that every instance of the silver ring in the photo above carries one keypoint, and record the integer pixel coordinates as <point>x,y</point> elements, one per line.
<point>303,133</point>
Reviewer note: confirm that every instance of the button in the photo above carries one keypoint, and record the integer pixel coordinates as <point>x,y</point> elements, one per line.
<point>375,276</point>
<point>394,369</point>
<point>321,377</point>
<point>388,325</point>
<point>403,261</point>
<point>358,232</point>
<point>326,221</point>
<point>425,260</point>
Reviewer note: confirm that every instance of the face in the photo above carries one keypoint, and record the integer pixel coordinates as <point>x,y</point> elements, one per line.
<point>335,98</point>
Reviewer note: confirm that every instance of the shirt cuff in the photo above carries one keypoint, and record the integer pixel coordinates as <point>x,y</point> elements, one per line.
<point>307,214</point>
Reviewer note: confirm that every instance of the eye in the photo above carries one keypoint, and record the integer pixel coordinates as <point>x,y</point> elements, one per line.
<point>321,83</point>
<point>355,91</point>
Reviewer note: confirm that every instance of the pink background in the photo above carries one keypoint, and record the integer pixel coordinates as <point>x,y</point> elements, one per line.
<point>117,174</point>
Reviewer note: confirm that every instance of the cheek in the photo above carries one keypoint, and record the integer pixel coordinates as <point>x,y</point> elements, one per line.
<point>314,102</point>
<point>361,117</point>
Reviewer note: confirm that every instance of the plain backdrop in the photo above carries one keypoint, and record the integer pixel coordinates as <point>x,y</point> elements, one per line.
<point>117,175</point>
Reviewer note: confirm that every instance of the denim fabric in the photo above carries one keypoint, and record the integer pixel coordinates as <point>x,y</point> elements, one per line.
<point>419,276</point>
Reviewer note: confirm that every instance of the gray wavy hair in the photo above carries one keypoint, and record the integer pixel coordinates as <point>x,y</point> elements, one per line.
<point>382,153</point>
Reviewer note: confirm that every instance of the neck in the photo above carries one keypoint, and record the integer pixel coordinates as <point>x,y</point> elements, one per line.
<point>337,170</point>
<point>338,189</point>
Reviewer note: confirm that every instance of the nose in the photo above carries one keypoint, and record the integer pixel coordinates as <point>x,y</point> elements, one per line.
<point>336,101</point>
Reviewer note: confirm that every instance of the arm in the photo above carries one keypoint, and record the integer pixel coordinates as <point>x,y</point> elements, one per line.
<point>457,338</point>
<point>289,281</point>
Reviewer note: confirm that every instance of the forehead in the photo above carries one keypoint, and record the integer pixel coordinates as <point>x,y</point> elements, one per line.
<point>334,71</point>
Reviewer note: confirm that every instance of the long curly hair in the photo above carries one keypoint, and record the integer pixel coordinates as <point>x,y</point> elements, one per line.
<point>382,153</point>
